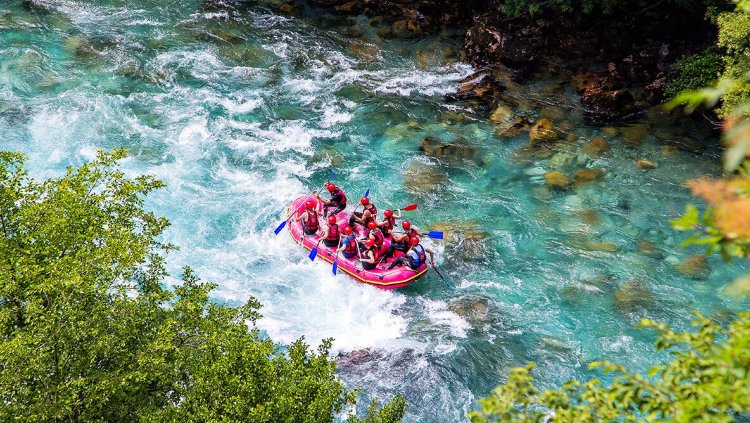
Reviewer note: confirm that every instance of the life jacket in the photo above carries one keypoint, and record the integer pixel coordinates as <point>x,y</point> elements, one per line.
<point>373,211</point>
<point>351,244</point>
<point>342,200</point>
<point>333,233</point>
<point>312,220</point>
<point>417,256</point>
<point>378,235</point>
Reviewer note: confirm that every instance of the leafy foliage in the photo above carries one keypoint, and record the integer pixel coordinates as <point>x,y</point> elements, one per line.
<point>708,380</point>
<point>695,72</point>
<point>734,37</point>
<point>88,332</point>
<point>518,7</point>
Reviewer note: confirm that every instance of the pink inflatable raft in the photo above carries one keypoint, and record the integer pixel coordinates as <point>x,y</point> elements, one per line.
<point>397,277</point>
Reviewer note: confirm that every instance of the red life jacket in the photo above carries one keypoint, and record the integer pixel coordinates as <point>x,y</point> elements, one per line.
<point>312,220</point>
<point>373,211</point>
<point>351,244</point>
<point>340,192</point>
<point>333,233</point>
<point>378,235</point>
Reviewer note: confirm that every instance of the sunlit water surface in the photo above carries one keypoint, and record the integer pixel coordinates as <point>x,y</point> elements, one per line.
<point>240,109</point>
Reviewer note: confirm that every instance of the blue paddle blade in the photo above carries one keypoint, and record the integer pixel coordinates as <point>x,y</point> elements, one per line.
<point>367,192</point>
<point>335,266</point>
<point>313,253</point>
<point>435,234</point>
<point>330,177</point>
<point>280,227</point>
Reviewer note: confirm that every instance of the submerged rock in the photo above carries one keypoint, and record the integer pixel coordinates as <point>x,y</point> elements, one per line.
<point>421,177</point>
<point>513,127</point>
<point>648,249</point>
<point>631,295</point>
<point>502,114</point>
<point>556,179</point>
<point>457,149</point>
<point>606,247</point>
<point>633,135</point>
<point>597,146</point>
<point>475,310</point>
<point>585,176</point>
<point>543,132</point>
<point>644,164</point>
<point>695,266</point>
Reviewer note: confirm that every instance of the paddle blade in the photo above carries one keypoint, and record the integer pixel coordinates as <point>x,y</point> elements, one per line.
<point>410,207</point>
<point>335,266</point>
<point>435,234</point>
<point>367,193</point>
<point>330,177</point>
<point>313,253</point>
<point>279,228</point>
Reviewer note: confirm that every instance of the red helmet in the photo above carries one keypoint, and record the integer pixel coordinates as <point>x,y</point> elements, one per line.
<point>331,187</point>
<point>413,240</point>
<point>388,213</point>
<point>364,201</point>
<point>406,224</point>
<point>310,204</point>
<point>332,220</point>
<point>369,243</point>
<point>348,230</point>
<point>372,225</point>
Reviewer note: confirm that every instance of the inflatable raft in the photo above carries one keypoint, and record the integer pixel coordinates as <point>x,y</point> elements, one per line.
<point>380,277</point>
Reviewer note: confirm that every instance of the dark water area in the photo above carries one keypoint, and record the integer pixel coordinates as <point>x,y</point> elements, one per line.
<point>241,108</point>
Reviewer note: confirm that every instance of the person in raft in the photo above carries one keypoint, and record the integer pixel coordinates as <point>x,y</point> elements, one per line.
<point>374,233</point>
<point>369,256</point>
<point>349,243</point>
<point>331,235</point>
<point>337,200</point>
<point>309,218</point>
<point>415,256</point>
<point>401,240</point>
<point>389,222</point>
<point>369,213</point>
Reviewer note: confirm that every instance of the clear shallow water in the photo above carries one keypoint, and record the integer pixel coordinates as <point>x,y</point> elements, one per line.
<point>240,109</point>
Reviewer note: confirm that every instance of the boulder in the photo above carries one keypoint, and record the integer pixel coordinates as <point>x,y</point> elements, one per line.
<point>644,164</point>
<point>606,247</point>
<point>585,176</point>
<point>654,92</point>
<point>514,127</point>
<point>633,135</point>
<point>481,86</point>
<point>502,114</point>
<point>648,249</point>
<point>631,295</point>
<point>604,98</point>
<point>561,160</point>
<point>488,44</point>
<point>597,146</point>
<point>421,177</point>
<point>557,180</point>
<point>694,266</point>
<point>474,309</point>
<point>543,132</point>
<point>457,149</point>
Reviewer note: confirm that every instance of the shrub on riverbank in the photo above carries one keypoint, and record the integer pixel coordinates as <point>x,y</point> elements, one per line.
<point>90,333</point>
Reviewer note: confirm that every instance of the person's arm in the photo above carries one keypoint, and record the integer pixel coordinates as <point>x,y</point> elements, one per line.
<point>369,257</point>
<point>397,216</point>
<point>325,234</point>
<point>416,231</point>
<point>432,255</point>
<point>300,217</point>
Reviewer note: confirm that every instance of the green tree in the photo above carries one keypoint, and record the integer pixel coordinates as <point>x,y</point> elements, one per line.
<point>89,332</point>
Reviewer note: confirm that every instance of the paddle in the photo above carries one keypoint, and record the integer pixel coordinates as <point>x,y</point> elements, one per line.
<point>367,193</point>
<point>442,278</point>
<point>410,207</point>
<point>314,251</point>
<point>435,234</point>
<point>281,226</point>
<point>336,260</point>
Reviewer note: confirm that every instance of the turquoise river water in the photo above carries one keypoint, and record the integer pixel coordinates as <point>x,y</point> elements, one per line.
<point>240,108</point>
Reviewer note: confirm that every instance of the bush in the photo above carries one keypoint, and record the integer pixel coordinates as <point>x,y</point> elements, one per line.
<point>695,72</point>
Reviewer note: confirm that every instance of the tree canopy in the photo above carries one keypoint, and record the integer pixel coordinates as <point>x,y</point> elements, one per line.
<point>90,333</point>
